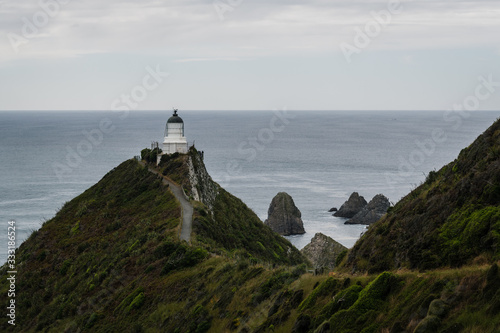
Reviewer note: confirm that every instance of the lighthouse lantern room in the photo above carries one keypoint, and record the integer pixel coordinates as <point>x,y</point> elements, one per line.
<point>175,141</point>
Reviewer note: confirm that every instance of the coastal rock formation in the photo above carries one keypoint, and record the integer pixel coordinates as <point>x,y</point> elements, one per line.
<point>352,206</point>
<point>322,251</point>
<point>283,216</point>
<point>203,188</point>
<point>372,212</point>
<point>333,209</point>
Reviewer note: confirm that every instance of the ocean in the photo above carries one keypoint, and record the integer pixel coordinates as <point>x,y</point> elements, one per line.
<point>318,157</point>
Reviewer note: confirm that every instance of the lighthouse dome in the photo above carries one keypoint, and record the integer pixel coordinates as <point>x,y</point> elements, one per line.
<point>175,119</point>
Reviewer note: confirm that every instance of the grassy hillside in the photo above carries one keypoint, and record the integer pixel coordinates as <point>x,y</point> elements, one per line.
<point>237,229</point>
<point>111,261</point>
<point>111,257</point>
<point>228,225</point>
<point>453,219</point>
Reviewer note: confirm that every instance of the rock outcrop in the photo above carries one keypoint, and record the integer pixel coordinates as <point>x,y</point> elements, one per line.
<point>283,216</point>
<point>352,206</point>
<point>372,212</point>
<point>203,188</point>
<point>322,251</point>
<point>333,209</point>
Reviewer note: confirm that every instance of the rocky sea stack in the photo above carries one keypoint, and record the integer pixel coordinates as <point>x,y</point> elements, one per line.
<point>372,212</point>
<point>323,251</point>
<point>352,206</point>
<point>284,217</point>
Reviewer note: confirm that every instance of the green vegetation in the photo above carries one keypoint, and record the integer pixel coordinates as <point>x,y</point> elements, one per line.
<point>236,228</point>
<point>111,260</point>
<point>98,245</point>
<point>150,155</point>
<point>175,167</point>
<point>452,219</point>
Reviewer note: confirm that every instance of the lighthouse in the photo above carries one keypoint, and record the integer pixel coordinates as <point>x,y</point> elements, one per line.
<point>175,141</point>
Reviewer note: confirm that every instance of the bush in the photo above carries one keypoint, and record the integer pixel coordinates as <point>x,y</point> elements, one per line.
<point>340,257</point>
<point>149,155</point>
<point>184,257</point>
<point>136,303</point>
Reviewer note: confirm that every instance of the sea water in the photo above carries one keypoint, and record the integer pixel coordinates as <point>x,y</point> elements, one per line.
<point>318,157</point>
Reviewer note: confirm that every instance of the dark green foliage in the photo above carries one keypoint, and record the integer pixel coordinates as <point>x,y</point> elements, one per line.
<point>327,287</point>
<point>234,226</point>
<point>91,321</point>
<point>323,328</point>
<point>492,282</point>
<point>199,321</point>
<point>281,309</point>
<point>438,308</point>
<point>431,177</point>
<point>175,167</point>
<point>150,156</point>
<point>83,259</point>
<point>302,324</point>
<point>165,249</point>
<point>65,266</point>
<point>451,219</point>
<point>254,272</point>
<point>366,308</point>
<point>468,232</point>
<point>343,300</point>
<point>183,257</point>
<point>340,257</point>
<point>133,300</point>
<point>299,270</point>
<point>273,284</point>
<point>167,157</point>
<point>429,324</point>
<point>110,261</point>
<point>453,328</point>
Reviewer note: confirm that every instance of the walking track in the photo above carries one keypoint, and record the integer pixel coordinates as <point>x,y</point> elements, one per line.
<point>187,208</point>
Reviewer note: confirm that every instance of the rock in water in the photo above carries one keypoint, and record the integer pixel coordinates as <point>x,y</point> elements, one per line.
<point>372,212</point>
<point>333,209</point>
<point>284,217</point>
<point>352,206</point>
<point>322,251</point>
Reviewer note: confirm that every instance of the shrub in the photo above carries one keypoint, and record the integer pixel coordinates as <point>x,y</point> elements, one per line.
<point>136,303</point>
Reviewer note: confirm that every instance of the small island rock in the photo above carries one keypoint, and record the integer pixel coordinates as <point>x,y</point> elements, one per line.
<point>333,209</point>
<point>284,217</point>
<point>322,251</point>
<point>372,212</point>
<point>352,206</point>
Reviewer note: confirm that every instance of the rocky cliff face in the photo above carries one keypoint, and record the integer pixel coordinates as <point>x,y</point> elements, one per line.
<point>203,188</point>
<point>284,217</point>
<point>372,212</point>
<point>352,206</point>
<point>322,251</point>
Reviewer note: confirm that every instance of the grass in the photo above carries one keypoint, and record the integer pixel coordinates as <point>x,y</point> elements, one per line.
<point>449,220</point>
<point>110,260</point>
<point>235,227</point>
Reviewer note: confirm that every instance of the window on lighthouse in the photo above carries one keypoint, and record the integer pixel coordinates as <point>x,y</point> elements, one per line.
<point>175,130</point>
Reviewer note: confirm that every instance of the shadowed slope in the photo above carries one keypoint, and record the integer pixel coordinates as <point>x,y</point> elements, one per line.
<point>451,219</point>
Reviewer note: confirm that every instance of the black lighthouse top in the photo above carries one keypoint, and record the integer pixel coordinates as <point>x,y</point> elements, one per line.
<point>175,118</point>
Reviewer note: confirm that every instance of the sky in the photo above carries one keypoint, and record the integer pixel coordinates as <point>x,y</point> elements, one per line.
<point>249,54</point>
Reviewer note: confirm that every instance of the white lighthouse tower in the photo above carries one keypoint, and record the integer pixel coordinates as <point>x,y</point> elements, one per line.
<point>175,141</point>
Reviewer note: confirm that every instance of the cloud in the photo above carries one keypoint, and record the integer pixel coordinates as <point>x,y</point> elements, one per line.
<point>208,59</point>
<point>192,29</point>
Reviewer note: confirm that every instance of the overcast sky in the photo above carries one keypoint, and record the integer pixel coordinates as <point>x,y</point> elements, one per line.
<point>247,54</point>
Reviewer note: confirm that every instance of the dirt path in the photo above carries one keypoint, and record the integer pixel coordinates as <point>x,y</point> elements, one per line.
<point>187,208</point>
